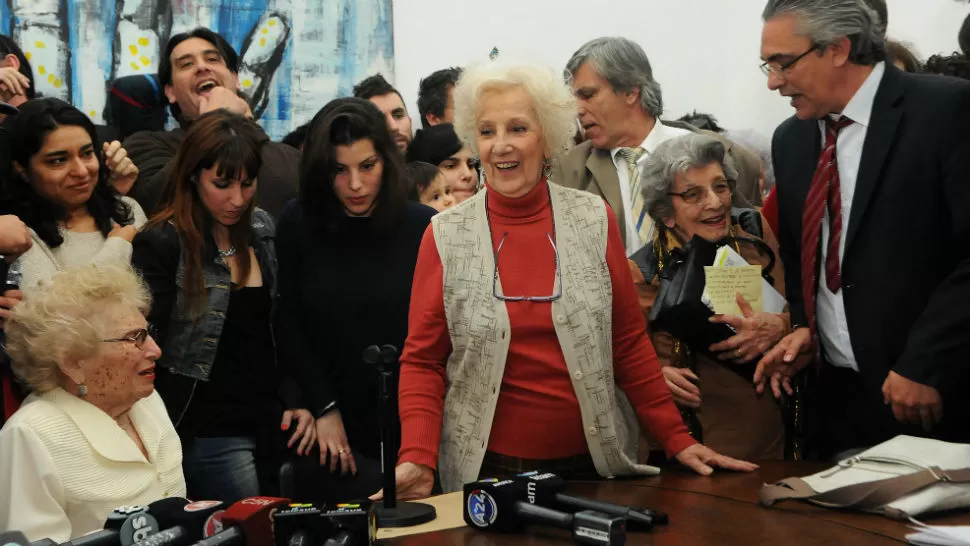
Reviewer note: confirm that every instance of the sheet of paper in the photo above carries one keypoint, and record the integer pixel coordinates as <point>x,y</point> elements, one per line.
<point>771,300</point>
<point>723,284</point>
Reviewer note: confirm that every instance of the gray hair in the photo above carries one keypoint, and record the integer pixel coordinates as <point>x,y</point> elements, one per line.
<point>826,21</point>
<point>674,157</point>
<point>623,64</point>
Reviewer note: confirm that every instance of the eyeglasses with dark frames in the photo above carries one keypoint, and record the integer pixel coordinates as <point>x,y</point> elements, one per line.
<point>769,67</point>
<point>538,299</point>
<point>138,337</point>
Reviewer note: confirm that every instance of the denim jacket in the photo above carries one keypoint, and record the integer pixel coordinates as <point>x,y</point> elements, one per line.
<point>190,343</point>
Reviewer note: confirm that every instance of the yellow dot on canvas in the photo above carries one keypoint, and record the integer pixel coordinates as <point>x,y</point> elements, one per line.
<point>262,42</point>
<point>58,82</point>
<point>146,61</point>
<point>41,70</point>
<point>40,45</point>
<point>133,48</point>
<point>247,83</point>
<point>143,41</point>
<point>264,30</point>
<point>93,113</point>
<point>50,78</point>
<point>271,22</point>
<point>134,65</point>
<point>28,55</point>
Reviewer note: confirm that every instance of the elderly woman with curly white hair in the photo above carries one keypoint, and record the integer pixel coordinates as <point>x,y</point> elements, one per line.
<point>526,347</point>
<point>94,434</point>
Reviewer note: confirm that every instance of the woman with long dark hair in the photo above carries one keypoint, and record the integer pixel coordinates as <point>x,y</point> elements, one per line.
<point>57,182</point>
<point>209,258</point>
<point>347,250</point>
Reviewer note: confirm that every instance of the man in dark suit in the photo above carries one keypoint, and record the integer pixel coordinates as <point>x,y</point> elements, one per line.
<point>620,104</point>
<point>873,177</point>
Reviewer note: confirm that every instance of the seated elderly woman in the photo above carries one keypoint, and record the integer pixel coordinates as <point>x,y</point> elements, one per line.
<point>93,435</point>
<point>524,322</point>
<point>687,185</point>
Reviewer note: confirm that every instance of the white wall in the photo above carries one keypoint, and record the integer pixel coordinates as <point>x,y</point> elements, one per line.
<point>704,52</point>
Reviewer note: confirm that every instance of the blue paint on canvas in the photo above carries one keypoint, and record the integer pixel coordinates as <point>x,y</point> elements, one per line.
<point>329,45</point>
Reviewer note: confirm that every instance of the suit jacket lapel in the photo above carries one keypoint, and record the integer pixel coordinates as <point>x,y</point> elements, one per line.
<point>600,165</point>
<point>886,113</point>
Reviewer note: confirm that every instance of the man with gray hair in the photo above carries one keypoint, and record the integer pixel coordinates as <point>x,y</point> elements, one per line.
<point>873,180</point>
<point>620,105</point>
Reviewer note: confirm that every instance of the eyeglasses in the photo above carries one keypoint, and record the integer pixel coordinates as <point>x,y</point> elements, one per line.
<point>769,67</point>
<point>138,337</point>
<point>693,196</point>
<point>538,299</point>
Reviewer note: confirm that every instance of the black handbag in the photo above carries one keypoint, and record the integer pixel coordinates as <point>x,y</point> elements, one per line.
<point>678,308</point>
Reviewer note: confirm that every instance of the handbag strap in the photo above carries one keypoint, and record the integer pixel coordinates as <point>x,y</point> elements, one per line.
<point>862,496</point>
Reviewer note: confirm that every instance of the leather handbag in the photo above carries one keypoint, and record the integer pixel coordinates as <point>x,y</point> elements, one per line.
<point>901,478</point>
<point>678,308</point>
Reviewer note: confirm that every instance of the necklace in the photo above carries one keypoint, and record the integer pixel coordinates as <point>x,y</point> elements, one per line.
<point>228,253</point>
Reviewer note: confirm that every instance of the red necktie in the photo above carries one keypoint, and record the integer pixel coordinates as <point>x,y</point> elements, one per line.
<point>824,192</point>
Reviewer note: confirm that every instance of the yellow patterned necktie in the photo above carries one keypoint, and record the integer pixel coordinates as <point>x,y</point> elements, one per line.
<point>641,220</point>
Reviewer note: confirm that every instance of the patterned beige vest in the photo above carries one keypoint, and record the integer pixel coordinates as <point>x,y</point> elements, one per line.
<point>478,324</point>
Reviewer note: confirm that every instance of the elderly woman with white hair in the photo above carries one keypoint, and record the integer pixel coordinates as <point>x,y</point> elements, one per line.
<point>687,186</point>
<point>526,347</point>
<point>93,435</point>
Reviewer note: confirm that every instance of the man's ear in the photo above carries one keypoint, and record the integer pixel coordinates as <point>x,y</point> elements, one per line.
<point>669,222</point>
<point>19,169</point>
<point>432,120</point>
<point>632,97</point>
<point>170,94</point>
<point>841,51</point>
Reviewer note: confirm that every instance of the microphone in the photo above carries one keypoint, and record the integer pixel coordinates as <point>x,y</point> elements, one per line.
<point>347,524</point>
<point>249,521</point>
<point>494,505</point>
<point>546,489</point>
<point>14,538</point>
<point>125,526</point>
<point>300,525</point>
<point>183,521</point>
<point>392,513</point>
<point>352,524</point>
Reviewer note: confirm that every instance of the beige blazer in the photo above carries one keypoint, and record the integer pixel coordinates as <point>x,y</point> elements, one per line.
<point>592,170</point>
<point>65,464</point>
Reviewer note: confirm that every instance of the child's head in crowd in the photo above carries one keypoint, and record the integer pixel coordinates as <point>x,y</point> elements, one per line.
<point>428,186</point>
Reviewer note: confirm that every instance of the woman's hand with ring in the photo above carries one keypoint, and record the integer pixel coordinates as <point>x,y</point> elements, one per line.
<point>756,333</point>
<point>333,441</point>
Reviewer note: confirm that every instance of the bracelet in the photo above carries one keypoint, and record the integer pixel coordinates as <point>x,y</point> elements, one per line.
<point>326,409</point>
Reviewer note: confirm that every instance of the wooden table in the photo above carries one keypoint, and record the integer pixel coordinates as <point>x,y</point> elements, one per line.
<point>719,510</point>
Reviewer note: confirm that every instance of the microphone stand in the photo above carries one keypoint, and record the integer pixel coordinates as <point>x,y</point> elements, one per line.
<point>392,513</point>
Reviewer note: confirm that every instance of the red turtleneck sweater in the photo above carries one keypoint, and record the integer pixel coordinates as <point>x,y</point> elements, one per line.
<point>537,415</point>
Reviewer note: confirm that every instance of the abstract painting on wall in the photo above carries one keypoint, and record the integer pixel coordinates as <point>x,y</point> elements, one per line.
<point>295,55</point>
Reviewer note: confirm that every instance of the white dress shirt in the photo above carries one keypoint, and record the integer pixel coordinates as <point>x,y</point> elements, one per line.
<point>833,328</point>
<point>65,464</point>
<point>658,134</point>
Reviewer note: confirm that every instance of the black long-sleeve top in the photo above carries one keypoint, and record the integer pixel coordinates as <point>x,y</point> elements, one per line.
<point>340,292</point>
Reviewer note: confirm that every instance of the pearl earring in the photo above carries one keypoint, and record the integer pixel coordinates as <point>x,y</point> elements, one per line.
<point>82,390</point>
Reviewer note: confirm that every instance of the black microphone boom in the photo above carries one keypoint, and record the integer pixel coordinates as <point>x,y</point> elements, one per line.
<point>547,489</point>
<point>494,505</point>
<point>392,513</point>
